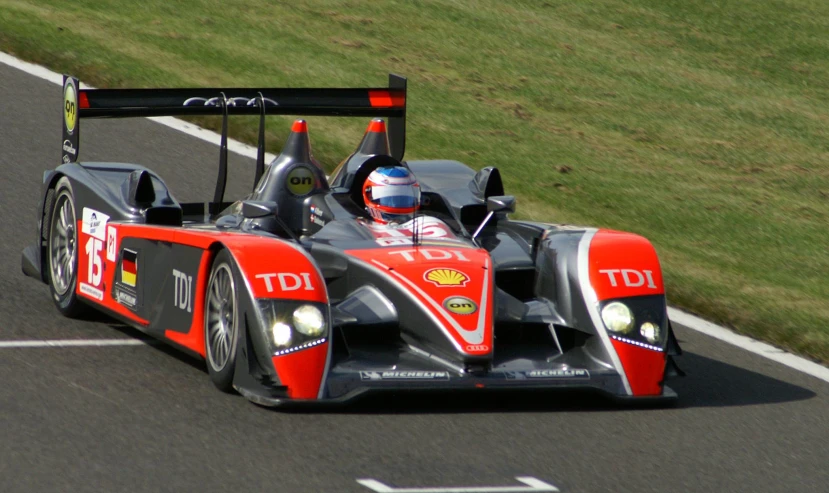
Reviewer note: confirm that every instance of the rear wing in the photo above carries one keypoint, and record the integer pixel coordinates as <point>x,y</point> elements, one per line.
<point>387,102</point>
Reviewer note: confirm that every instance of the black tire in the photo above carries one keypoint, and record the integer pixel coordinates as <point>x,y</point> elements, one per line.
<point>62,250</point>
<point>221,322</point>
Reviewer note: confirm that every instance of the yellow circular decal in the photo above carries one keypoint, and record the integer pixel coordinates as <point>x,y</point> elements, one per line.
<point>300,181</point>
<point>70,106</point>
<point>460,305</point>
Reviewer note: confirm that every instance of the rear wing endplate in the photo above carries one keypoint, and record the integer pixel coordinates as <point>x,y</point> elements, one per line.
<point>387,102</point>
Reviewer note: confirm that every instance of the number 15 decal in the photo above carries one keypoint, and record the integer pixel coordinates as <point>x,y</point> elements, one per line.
<point>94,224</point>
<point>95,267</point>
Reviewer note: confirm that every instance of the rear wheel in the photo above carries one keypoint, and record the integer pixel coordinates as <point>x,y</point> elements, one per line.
<point>62,251</point>
<point>221,322</point>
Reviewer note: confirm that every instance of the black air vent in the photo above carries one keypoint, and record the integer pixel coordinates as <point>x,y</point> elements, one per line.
<point>518,283</point>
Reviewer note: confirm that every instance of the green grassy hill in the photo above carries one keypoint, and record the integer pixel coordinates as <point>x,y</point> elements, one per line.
<point>700,125</point>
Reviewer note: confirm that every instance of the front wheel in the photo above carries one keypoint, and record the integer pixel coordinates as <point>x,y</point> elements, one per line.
<point>62,251</point>
<point>221,322</point>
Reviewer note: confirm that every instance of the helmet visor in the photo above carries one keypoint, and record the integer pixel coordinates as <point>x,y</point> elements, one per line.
<point>396,196</point>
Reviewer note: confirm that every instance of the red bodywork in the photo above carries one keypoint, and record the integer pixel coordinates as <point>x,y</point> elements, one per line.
<point>272,269</point>
<point>453,283</point>
<point>623,265</point>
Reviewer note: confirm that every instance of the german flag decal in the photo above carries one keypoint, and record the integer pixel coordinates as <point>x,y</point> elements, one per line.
<point>129,267</point>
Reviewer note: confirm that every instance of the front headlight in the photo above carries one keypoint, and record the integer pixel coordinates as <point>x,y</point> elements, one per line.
<point>309,321</point>
<point>617,317</point>
<point>282,334</point>
<point>650,331</point>
<point>293,325</point>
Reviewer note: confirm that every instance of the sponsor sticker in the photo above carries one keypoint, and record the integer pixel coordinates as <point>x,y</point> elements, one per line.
<point>125,298</point>
<point>70,106</point>
<point>183,291</point>
<point>404,375</point>
<point>300,181</point>
<point>477,348</point>
<point>317,220</point>
<point>94,223</point>
<point>558,373</point>
<point>430,254</point>
<point>443,277</point>
<point>460,305</point>
<point>287,281</point>
<point>112,243</point>
<point>129,267</point>
<point>91,291</point>
<point>631,278</point>
<point>69,148</point>
<point>430,231</point>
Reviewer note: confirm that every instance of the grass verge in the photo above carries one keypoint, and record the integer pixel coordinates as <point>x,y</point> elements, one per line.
<point>701,126</point>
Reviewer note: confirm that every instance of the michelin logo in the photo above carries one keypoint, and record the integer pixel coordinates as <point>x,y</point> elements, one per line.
<point>560,373</point>
<point>126,298</point>
<point>404,375</point>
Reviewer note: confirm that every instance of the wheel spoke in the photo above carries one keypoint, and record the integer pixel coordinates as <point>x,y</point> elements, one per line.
<point>223,344</point>
<point>214,304</point>
<point>220,319</point>
<point>61,243</point>
<point>223,286</point>
<point>218,334</point>
<point>62,215</point>
<point>64,269</point>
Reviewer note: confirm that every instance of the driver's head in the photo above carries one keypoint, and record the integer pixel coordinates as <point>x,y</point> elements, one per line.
<point>392,194</point>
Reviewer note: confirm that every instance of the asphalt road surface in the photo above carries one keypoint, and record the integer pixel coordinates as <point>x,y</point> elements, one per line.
<point>142,418</point>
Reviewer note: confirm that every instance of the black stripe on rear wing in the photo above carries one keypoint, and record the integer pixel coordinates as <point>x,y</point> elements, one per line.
<point>387,102</point>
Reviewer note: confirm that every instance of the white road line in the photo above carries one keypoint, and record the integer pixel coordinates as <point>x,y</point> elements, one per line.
<point>532,483</point>
<point>74,343</point>
<point>688,320</point>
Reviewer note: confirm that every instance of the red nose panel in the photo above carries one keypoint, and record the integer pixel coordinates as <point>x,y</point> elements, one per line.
<point>644,367</point>
<point>453,284</point>
<point>623,265</point>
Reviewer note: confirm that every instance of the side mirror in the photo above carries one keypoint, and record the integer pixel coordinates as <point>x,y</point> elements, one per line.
<point>500,203</point>
<point>495,204</point>
<point>252,209</point>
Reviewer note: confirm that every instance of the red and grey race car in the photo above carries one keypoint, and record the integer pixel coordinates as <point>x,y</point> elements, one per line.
<point>296,295</point>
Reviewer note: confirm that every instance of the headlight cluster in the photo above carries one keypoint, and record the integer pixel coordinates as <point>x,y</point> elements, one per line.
<point>293,325</point>
<point>634,319</point>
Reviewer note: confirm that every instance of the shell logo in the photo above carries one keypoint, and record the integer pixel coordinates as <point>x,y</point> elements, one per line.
<point>446,277</point>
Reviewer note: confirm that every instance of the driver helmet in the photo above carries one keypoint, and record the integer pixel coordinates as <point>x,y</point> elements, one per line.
<point>392,194</point>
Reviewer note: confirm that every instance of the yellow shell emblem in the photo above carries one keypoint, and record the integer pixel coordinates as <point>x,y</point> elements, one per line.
<point>446,277</point>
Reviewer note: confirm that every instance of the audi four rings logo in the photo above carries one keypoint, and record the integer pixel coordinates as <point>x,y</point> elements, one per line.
<point>477,348</point>
<point>235,101</point>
